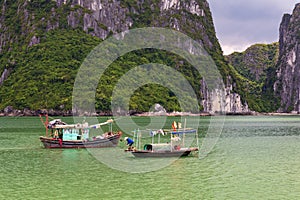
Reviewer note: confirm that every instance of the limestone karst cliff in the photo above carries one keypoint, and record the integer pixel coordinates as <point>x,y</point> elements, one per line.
<point>31,29</point>
<point>287,86</point>
<point>276,66</point>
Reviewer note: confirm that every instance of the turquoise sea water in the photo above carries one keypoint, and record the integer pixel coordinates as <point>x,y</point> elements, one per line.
<point>256,157</point>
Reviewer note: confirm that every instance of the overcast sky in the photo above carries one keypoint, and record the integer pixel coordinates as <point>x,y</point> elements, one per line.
<point>241,23</point>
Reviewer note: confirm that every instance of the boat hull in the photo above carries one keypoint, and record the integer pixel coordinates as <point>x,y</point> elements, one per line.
<point>160,154</point>
<point>98,143</point>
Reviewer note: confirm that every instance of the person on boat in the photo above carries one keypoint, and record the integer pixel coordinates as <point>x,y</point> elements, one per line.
<point>129,142</point>
<point>55,134</point>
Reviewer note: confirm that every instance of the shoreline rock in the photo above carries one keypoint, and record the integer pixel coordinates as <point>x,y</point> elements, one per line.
<point>10,112</point>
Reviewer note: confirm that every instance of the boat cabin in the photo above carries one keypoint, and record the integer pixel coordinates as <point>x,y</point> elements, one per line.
<point>61,130</point>
<point>158,147</point>
<point>71,132</point>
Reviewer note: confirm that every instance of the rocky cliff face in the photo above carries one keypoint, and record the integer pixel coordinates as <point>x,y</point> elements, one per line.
<point>232,101</point>
<point>287,86</point>
<point>105,16</point>
<point>102,18</point>
<point>108,17</point>
<point>191,17</point>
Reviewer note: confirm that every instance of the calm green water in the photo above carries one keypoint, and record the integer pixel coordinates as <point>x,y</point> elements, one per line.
<point>255,158</point>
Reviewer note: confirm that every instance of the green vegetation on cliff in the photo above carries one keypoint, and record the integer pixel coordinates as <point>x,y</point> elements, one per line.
<point>257,66</point>
<point>43,75</point>
<point>254,62</point>
<point>43,54</point>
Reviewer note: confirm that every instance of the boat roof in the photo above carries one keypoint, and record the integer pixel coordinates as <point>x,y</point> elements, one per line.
<point>158,144</point>
<point>182,131</point>
<point>78,126</point>
<point>57,123</point>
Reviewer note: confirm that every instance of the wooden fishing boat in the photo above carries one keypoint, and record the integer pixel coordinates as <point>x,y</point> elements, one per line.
<point>64,135</point>
<point>163,153</point>
<point>111,141</point>
<point>176,147</point>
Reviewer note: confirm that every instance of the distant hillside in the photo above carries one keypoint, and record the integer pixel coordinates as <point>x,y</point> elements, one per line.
<point>254,62</point>
<point>258,65</point>
<point>276,67</point>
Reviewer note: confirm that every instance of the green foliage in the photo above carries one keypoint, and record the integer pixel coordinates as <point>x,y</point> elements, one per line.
<point>44,74</point>
<point>254,72</point>
<point>145,97</point>
<point>143,13</point>
<point>255,61</point>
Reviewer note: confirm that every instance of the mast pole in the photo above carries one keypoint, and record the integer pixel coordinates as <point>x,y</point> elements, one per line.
<point>184,127</point>
<point>158,138</point>
<point>135,138</point>
<point>197,139</point>
<point>47,121</point>
<point>140,138</point>
<point>151,133</point>
<point>171,140</point>
<point>110,127</point>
